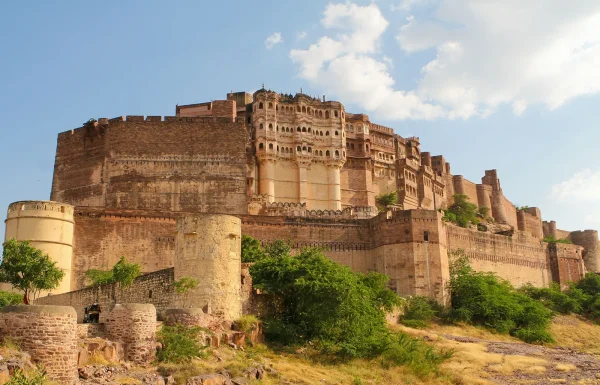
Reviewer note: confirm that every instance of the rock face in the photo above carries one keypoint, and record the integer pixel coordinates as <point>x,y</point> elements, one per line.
<point>97,347</point>
<point>48,334</point>
<point>134,325</point>
<point>209,379</point>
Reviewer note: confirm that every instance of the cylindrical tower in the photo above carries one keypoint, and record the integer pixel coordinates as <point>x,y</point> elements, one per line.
<point>498,209</point>
<point>267,176</point>
<point>208,248</point>
<point>134,324</point>
<point>333,177</point>
<point>48,226</point>
<point>484,193</point>
<point>591,253</point>
<point>48,334</point>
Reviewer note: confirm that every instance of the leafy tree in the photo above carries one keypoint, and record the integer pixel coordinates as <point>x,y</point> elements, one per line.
<point>551,239</point>
<point>319,300</point>
<point>28,269</point>
<point>252,251</point>
<point>183,286</point>
<point>462,212</point>
<point>388,199</point>
<point>485,299</point>
<point>122,272</point>
<point>278,247</point>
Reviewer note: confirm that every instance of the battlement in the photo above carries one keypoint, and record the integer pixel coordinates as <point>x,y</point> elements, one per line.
<point>52,206</point>
<point>382,129</point>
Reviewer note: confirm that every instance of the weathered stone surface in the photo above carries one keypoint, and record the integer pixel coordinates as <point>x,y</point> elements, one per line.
<point>209,379</point>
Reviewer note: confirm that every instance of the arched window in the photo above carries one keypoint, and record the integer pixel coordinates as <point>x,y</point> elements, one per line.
<point>320,114</point>
<point>335,113</point>
<point>298,108</point>
<point>321,133</point>
<point>270,127</point>
<point>277,128</point>
<point>277,148</point>
<point>261,146</point>
<point>298,149</point>
<point>260,106</point>
<point>270,105</point>
<point>260,126</point>
<point>304,149</point>
<point>327,114</point>
<point>310,149</point>
<point>308,129</point>
<point>303,129</point>
<point>367,146</point>
<point>249,120</point>
<point>298,129</point>
<point>327,153</point>
<point>287,129</point>
<point>303,109</point>
<point>276,108</point>
<point>270,146</point>
<point>326,133</point>
<point>337,133</point>
<point>337,154</point>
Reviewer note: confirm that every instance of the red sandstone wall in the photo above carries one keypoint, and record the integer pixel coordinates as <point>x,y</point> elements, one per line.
<point>356,184</point>
<point>511,213</point>
<point>100,239</point>
<point>466,187</point>
<point>181,164</point>
<point>529,223</point>
<point>519,259</point>
<point>567,263</point>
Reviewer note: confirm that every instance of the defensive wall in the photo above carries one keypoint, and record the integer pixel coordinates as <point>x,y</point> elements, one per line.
<point>189,164</point>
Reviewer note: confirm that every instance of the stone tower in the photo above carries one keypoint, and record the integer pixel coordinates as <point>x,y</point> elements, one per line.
<point>47,226</point>
<point>208,248</point>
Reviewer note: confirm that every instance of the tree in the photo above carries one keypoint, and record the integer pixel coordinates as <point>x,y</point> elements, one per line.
<point>252,251</point>
<point>316,299</point>
<point>388,199</point>
<point>28,269</point>
<point>462,212</point>
<point>183,286</point>
<point>122,272</point>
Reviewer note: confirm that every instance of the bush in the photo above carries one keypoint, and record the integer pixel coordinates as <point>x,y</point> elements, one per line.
<point>551,239</point>
<point>421,358</point>
<point>384,200</point>
<point>122,272</point>
<point>246,323</point>
<point>462,212</point>
<point>252,251</point>
<point>35,377</point>
<point>485,299</point>
<point>341,311</point>
<point>553,298</point>
<point>419,311</point>
<point>8,298</point>
<point>179,343</point>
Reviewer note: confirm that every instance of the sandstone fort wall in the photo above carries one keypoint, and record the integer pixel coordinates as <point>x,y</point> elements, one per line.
<point>179,164</point>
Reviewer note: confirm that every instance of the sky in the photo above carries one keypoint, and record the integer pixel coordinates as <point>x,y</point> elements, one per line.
<point>510,85</point>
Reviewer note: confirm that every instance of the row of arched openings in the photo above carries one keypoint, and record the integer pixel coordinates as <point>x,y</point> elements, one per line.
<point>302,109</point>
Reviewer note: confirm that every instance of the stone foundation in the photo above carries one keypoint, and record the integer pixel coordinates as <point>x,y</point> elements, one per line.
<point>48,334</point>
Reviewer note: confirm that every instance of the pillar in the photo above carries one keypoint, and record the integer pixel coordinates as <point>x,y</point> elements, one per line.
<point>302,183</point>
<point>48,334</point>
<point>267,178</point>
<point>335,195</point>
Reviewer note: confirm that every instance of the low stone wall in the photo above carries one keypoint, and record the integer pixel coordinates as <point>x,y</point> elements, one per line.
<point>134,325</point>
<point>48,334</point>
<point>154,288</point>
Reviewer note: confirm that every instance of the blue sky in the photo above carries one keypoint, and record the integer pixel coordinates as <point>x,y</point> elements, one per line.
<point>488,84</point>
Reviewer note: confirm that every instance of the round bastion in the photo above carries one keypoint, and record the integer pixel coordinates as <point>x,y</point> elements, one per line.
<point>134,325</point>
<point>47,226</point>
<point>48,334</point>
<point>208,248</point>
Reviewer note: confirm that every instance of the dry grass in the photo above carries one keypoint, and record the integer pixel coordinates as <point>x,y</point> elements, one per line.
<point>125,380</point>
<point>576,332</point>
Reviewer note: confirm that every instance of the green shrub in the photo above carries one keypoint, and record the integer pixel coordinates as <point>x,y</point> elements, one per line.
<point>341,311</point>
<point>405,350</point>
<point>419,311</point>
<point>8,298</point>
<point>553,298</point>
<point>384,200</point>
<point>551,239</point>
<point>462,212</point>
<point>252,251</point>
<point>179,343</point>
<point>246,323</point>
<point>34,377</point>
<point>485,299</point>
<point>122,272</point>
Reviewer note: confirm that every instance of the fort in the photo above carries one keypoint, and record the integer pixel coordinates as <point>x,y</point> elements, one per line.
<point>174,194</point>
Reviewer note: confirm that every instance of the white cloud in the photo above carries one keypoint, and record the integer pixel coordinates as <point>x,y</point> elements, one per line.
<point>389,61</point>
<point>273,40</point>
<point>511,51</point>
<point>301,35</point>
<point>583,186</point>
<point>488,53</point>
<point>343,65</point>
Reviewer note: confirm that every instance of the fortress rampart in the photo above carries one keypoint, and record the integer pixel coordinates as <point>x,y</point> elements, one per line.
<point>174,194</point>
